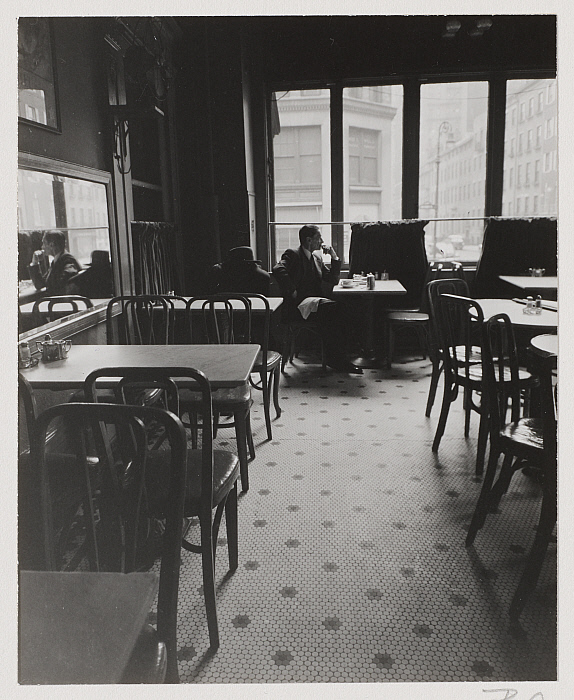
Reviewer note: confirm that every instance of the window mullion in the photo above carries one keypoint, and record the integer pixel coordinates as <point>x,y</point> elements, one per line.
<point>495,147</point>
<point>337,189</point>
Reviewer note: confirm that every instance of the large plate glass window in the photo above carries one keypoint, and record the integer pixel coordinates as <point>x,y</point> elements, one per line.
<point>302,170</point>
<point>372,154</point>
<point>452,174</point>
<point>530,174</point>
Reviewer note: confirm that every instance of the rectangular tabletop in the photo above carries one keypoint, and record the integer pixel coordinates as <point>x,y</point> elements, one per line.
<point>257,305</point>
<point>382,287</point>
<point>80,627</point>
<point>223,365</point>
<point>527,282</point>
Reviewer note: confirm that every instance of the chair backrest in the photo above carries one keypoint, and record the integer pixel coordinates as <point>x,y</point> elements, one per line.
<point>115,492</point>
<point>140,320</point>
<point>44,308</point>
<point>220,319</point>
<point>501,387</point>
<point>260,334</point>
<point>460,322</point>
<point>130,381</point>
<point>436,287</point>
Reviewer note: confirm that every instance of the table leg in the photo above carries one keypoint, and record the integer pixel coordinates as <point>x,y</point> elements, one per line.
<point>370,359</point>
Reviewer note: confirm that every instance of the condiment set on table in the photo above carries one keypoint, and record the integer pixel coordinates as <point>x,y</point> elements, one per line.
<point>366,281</point>
<point>51,351</point>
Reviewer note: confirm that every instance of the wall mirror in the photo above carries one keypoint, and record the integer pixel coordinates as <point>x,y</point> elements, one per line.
<point>75,200</point>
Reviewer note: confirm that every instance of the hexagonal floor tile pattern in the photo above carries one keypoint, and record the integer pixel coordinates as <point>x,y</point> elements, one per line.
<point>352,559</point>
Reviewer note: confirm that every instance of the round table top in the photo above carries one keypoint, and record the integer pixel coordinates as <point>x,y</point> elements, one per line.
<point>515,311</point>
<point>545,345</point>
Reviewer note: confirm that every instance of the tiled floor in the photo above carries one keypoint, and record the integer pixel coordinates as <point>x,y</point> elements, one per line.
<point>352,559</point>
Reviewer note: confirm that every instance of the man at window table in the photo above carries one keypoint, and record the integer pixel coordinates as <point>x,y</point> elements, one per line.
<point>56,279</point>
<point>302,275</point>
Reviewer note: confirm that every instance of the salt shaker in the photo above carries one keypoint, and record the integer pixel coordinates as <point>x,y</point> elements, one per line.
<point>24,354</point>
<point>370,281</point>
<point>529,308</point>
<point>538,305</point>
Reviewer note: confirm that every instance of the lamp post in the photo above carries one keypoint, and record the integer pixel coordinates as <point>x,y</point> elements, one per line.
<point>444,128</point>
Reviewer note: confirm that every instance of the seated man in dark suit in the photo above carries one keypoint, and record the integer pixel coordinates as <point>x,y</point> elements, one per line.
<point>64,266</point>
<point>300,275</point>
<point>240,272</point>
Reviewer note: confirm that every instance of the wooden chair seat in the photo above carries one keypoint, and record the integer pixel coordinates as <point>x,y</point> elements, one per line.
<point>225,474</point>
<point>407,316</point>
<point>525,434</point>
<point>220,397</point>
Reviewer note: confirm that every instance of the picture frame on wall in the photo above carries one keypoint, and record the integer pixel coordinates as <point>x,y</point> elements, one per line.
<point>37,90</point>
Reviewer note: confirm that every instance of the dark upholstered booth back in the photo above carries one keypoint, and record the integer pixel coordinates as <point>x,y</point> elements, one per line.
<point>397,247</point>
<point>511,247</point>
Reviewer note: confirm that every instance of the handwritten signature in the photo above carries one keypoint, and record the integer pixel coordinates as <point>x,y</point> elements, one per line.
<point>510,693</point>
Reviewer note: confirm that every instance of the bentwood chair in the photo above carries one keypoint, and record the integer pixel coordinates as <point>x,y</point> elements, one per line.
<point>460,326</point>
<point>293,330</point>
<point>211,475</point>
<point>519,440</point>
<point>267,365</point>
<point>418,319</point>
<point>459,321</point>
<point>223,319</point>
<point>68,491</point>
<point>454,285</point>
<point>119,496</point>
<point>47,309</point>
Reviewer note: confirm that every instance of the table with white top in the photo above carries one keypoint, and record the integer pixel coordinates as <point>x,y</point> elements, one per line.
<point>223,365</point>
<point>370,359</point>
<point>547,319</point>
<point>545,345</point>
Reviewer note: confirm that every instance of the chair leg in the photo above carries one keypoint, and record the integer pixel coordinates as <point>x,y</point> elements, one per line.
<point>240,419</point>
<point>482,442</point>
<point>209,582</point>
<point>467,401</point>
<point>265,381</point>
<point>447,399</point>
<point>390,343</point>
<point>422,334</point>
<point>284,354</point>
<point>529,578</point>
<point>231,528</point>
<point>435,376</point>
<point>250,443</point>
<point>483,503</point>
<point>509,467</point>
<point>276,379</point>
